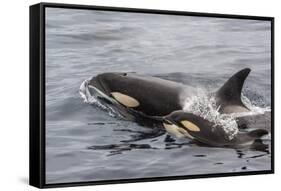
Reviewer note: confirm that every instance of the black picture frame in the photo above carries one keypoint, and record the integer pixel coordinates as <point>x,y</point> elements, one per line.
<point>37,93</point>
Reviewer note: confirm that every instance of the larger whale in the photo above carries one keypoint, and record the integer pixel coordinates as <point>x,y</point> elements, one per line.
<point>161,99</point>
<point>153,96</point>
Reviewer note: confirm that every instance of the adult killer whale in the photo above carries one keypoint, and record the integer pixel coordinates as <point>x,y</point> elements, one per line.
<point>155,97</point>
<point>163,100</point>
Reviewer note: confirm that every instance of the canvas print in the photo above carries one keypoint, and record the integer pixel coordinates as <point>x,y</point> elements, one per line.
<point>139,95</point>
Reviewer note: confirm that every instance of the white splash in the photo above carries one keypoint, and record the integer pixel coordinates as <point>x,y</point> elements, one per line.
<point>85,93</point>
<point>254,109</point>
<point>91,97</point>
<point>205,107</point>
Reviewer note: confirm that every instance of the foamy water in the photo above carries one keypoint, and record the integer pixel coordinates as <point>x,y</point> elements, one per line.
<point>205,106</point>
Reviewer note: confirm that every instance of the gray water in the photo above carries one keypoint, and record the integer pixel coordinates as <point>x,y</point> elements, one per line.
<point>85,143</point>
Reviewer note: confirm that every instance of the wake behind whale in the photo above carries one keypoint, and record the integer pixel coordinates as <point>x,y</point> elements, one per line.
<point>121,95</point>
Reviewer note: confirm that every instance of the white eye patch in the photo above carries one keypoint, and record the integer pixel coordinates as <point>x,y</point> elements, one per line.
<point>190,126</point>
<point>125,100</point>
<point>177,131</point>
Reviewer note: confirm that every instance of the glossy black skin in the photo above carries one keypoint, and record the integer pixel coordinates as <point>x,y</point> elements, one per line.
<point>213,135</point>
<point>157,97</point>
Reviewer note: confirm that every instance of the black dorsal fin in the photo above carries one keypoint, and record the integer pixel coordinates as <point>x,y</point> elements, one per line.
<point>230,92</point>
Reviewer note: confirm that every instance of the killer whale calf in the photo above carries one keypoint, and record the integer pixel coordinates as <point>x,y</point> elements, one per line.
<point>183,124</point>
<point>155,98</point>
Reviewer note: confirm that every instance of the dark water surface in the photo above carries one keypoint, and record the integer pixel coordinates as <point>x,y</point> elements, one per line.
<point>85,143</point>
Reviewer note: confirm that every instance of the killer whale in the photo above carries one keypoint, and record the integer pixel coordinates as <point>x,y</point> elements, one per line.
<point>155,97</point>
<point>183,124</point>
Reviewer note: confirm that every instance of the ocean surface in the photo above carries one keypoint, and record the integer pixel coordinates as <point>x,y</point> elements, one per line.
<point>86,143</point>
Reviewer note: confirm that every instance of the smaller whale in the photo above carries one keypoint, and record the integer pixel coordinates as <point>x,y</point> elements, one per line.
<point>183,124</point>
